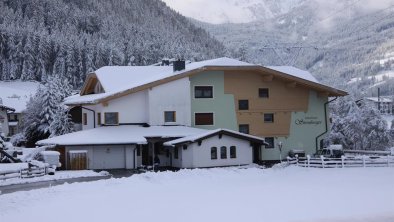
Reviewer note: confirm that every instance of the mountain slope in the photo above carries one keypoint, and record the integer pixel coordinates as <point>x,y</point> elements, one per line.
<point>232,11</point>
<point>73,37</point>
<point>336,48</point>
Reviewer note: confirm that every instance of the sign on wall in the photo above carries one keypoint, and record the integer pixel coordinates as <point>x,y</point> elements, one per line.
<point>308,120</point>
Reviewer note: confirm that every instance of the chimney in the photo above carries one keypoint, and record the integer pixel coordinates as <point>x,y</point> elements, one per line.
<point>179,65</point>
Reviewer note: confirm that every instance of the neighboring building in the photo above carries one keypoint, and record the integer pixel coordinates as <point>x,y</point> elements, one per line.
<point>383,104</point>
<point>277,103</point>
<point>16,94</point>
<point>4,125</point>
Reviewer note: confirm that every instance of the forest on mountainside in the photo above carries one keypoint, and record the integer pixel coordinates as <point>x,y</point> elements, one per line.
<point>70,38</point>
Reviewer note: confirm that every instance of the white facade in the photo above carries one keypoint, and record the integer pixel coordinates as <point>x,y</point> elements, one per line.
<point>195,156</point>
<point>172,96</point>
<point>132,108</point>
<point>147,106</point>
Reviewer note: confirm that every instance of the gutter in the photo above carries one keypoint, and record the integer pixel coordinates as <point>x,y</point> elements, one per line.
<point>325,122</point>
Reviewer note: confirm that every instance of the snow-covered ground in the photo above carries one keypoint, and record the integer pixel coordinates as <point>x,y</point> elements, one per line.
<point>224,194</point>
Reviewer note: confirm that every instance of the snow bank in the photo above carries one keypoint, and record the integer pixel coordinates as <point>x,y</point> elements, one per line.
<point>224,194</point>
<point>58,176</point>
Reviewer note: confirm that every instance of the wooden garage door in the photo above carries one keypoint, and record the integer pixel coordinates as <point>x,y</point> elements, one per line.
<point>77,160</point>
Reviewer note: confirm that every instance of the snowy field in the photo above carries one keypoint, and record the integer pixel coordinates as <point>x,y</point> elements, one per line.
<point>226,194</point>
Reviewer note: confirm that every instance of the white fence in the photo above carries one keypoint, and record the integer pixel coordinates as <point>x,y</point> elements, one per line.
<point>358,161</point>
<point>34,171</point>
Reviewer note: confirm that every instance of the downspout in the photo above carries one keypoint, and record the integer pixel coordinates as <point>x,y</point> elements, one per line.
<point>325,122</point>
<point>94,115</point>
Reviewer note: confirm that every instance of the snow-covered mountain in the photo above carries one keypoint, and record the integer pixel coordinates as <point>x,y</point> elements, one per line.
<point>232,11</point>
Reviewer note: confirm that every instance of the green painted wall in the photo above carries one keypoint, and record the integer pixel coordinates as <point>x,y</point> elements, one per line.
<point>222,105</point>
<point>302,136</point>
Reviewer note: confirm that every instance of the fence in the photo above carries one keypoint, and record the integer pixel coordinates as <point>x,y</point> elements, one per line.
<point>23,173</point>
<point>358,161</point>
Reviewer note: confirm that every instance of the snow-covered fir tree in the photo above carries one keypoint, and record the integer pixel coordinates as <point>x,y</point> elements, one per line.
<point>62,123</point>
<point>358,126</point>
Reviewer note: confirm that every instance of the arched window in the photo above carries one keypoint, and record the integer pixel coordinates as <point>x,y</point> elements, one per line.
<point>223,152</point>
<point>214,153</point>
<point>233,152</point>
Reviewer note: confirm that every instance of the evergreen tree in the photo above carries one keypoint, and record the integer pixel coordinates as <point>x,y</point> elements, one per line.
<point>61,123</point>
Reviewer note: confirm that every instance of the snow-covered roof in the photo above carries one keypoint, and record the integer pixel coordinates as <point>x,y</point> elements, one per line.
<point>6,108</point>
<point>381,99</point>
<point>126,134</point>
<point>119,79</point>
<point>199,136</point>
<point>16,94</point>
<point>290,70</point>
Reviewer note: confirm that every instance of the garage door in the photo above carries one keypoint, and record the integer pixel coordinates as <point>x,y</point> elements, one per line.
<point>111,157</point>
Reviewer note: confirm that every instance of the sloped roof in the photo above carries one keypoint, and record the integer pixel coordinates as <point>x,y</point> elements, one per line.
<point>211,133</point>
<point>17,93</point>
<point>126,134</point>
<point>120,80</point>
<point>3,107</point>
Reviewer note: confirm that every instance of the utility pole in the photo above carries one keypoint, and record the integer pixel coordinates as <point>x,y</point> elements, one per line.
<point>379,99</point>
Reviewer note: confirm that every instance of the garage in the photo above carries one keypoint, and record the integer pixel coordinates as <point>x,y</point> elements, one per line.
<point>109,157</point>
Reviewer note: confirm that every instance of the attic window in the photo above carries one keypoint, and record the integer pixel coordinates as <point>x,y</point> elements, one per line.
<point>98,88</point>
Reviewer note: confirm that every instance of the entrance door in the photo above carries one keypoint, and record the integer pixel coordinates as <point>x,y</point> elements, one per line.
<point>256,153</point>
<point>145,155</point>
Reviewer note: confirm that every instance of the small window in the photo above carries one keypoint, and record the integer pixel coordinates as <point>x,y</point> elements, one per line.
<point>243,128</point>
<point>214,153</point>
<point>270,141</point>
<point>233,152</point>
<point>99,119</point>
<point>176,153</point>
<point>268,117</point>
<point>243,104</point>
<point>223,152</point>
<point>203,92</point>
<point>169,116</point>
<point>111,118</point>
<point>203,119</point>
<point>85,119</point>
<point>263,93</point>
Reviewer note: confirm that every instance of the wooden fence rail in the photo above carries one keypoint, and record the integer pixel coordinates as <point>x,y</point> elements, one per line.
<point>361,161</point>
<point>23,173</point>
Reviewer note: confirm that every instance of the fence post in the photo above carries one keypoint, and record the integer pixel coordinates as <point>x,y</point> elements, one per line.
<point>388,160</point>
<point>343,161</point>
<point>296,156</point>
<point>308,158</point>
<point>322,160</point>
<point>364,157</point>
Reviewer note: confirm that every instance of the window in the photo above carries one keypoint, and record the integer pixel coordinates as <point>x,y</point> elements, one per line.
<point>263,93</point>
<point>270,141</point>
<point>243,128</point>
<point>203,119</point>
<point>99,119</point>
<point>176,153</point>
<point>243,104</point>
<point>214,153</point>
<point>223,152</point>
<point>85,119</point>
<point>203,92</point>
<point>169,116</point>
<point>233,152</point>
<point>268,117</point>
<point>13,117</point>
<point>111,118</point>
